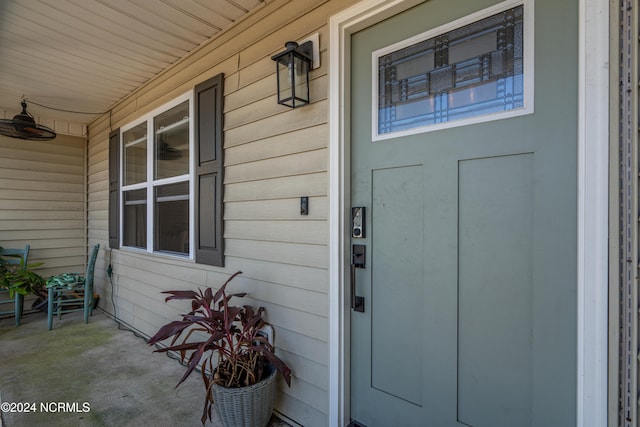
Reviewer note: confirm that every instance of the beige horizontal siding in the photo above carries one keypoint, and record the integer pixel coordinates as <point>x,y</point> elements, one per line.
<point>285,253</point>
<point>313,232</point>
<point>279,209</point>
<point>41,166</point>
<point>278,188</point>
<point>285,122</point>
<point>273,156</point>
<point>307,139</point>
<point>42,201</point>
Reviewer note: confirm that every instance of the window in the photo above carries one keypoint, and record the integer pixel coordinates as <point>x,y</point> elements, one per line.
<point>454,75</point>
<point>166,178</point>
<point>157,179</point>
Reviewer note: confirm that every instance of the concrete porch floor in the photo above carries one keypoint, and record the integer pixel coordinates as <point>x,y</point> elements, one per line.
<point>104,376</point>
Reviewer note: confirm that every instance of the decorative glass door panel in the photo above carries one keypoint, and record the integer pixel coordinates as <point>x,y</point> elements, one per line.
<point>471,71</point>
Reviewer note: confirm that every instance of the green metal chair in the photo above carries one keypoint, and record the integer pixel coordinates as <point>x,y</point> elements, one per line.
<point>71,292</point>
<point>17,257</point>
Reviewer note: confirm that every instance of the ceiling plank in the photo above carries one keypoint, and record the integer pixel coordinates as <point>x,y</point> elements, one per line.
<point>87,55</point>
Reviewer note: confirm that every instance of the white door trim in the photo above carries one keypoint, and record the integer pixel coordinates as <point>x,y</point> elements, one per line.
<point>593,209</point>
<point>592,203</point>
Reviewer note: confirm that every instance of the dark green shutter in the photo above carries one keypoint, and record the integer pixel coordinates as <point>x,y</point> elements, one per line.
<point>114,189</point>
<point>209,97</point>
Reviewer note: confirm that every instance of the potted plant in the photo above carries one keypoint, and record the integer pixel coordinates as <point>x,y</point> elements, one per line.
<point>239,365</point>
<point>19,279</point>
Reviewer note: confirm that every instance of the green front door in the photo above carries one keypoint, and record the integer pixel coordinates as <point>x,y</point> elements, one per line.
<point>469,277</point>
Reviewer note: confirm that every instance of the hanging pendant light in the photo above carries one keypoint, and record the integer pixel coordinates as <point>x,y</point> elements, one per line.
<point>23,126</point>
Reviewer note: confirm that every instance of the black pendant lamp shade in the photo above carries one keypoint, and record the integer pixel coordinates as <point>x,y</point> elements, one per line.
<point>23,126</point>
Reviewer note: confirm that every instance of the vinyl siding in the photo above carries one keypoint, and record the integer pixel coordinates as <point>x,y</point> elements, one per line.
<point>273,156</point>
<point>42,201</point>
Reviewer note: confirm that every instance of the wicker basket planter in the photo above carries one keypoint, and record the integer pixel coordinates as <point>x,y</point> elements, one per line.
<point>246,406</point>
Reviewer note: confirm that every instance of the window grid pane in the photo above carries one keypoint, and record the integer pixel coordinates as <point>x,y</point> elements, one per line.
<point>172,142</point>
<point>171,209</point>
<point>135,219</point>
<point>135,154</point>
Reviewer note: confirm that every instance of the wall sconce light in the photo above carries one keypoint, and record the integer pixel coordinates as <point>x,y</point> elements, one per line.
<point>292,70</point>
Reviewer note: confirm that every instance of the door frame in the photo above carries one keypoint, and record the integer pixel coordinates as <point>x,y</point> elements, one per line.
<point>593,203</point>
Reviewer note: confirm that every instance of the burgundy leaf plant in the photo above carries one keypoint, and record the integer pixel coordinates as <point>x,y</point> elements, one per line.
<point>221,339</point>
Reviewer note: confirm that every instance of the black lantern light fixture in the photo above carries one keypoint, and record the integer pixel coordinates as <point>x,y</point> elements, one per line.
<point>292,70</point>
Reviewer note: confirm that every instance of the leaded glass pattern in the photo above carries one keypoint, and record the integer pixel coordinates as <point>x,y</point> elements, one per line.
<point>474,70</point>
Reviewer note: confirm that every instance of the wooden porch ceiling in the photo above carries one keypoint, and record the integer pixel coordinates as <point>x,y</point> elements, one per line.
<point>86,55</point>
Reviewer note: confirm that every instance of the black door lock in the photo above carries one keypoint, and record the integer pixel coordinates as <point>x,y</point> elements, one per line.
<point>358,260</point>
<point>359,256</point>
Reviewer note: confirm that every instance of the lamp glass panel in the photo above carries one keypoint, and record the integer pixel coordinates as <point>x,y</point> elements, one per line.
<point>301,83</point>
<point>284,79</point>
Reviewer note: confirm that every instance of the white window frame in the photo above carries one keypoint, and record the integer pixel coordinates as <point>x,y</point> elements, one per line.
<point>151,183</point>
<point>528,47</point>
